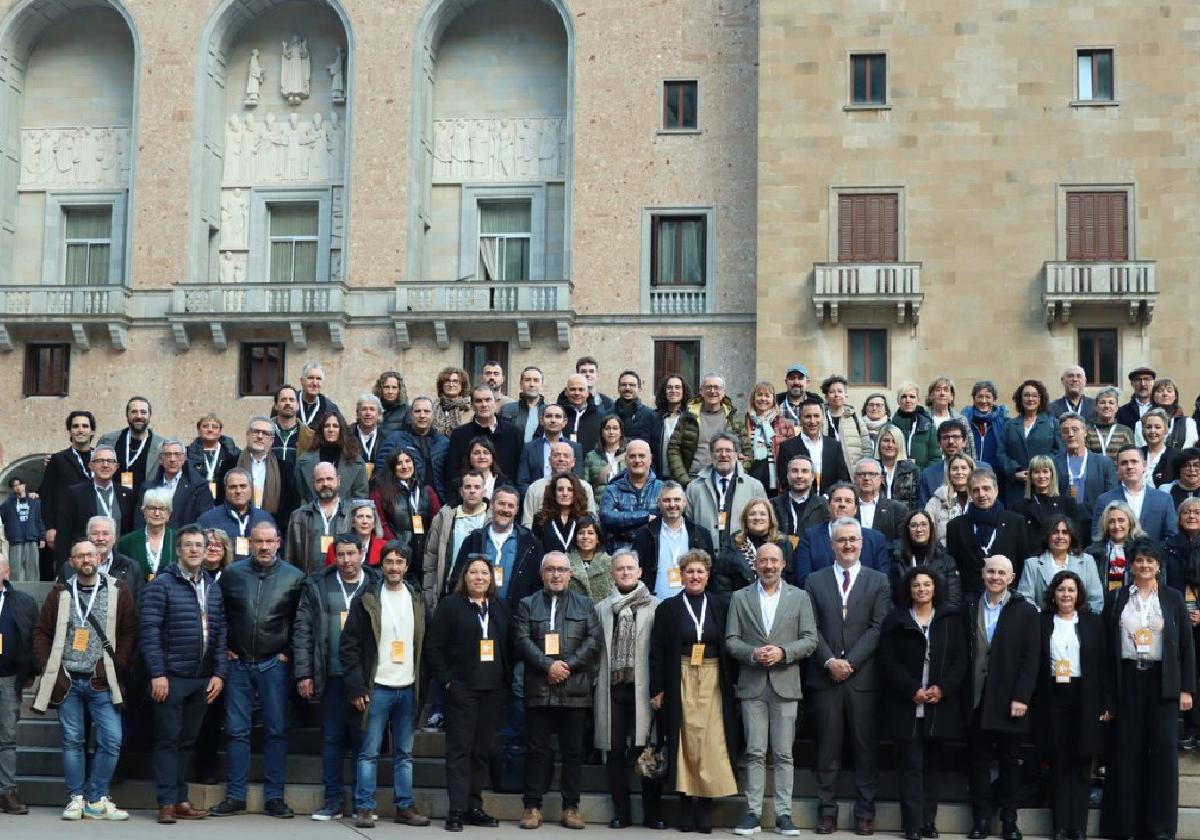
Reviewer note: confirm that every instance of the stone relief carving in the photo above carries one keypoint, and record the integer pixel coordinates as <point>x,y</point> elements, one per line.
<point>497,149</point>
<point>75,156</point>
<point>232,268</point>
<point>234,220</point>
<point>302,148</point>
<point>295,71</point>
<point>337,77</point>
<point>337,212</point>
<point>254,79</point>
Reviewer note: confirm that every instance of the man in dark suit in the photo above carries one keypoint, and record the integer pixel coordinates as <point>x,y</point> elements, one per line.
<point>823,450</point>
<point>799,508</point>
<point>98,496</point>
<point>136,446</point>
<point>952,439</point>
<point>816,549</point>
<point>506,437</point>
<point>190,496</point>
<point>514,552</point>
<point>1004,649</point>
<point>661,542</point>
<point>66,468</point>
<point>535,456</point>
<point>874,511</point>
<point>985,529</point>
<point>1082,475</point>
<point>1141,380</point>
<point>1073,400</point>
<point>850,602</point>
<point>1155,510</point>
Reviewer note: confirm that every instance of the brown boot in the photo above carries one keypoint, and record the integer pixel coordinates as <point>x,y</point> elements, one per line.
<point>571,818</point>
<point>185,811</point>
<point>409,816</point>
<point>364,819</point>
<point>166,815</point>
<point>532,818</point>
<point>10,804</point>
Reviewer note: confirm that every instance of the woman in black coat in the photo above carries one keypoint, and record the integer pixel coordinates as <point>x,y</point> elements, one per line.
<point>1073,698</point>
<point>1042,501</point>
<point>1154,670</point>
<point>473,665</point>
<point>918,546</point>
<point>671,642</point>
<point>733,568</point>
<point>922,631</point>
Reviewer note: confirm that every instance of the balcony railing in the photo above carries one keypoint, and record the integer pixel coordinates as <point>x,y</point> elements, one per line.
<point>678,300</point>
<point>42,302</point>
<point>463,299</point>
<point>867,284</point>
<point>278,301</point>
<point>1130,283</point>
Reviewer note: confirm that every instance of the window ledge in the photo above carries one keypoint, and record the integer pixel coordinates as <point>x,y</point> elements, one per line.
<point>674,131</point>
<point>1094,103</point>
<point>867,107</point>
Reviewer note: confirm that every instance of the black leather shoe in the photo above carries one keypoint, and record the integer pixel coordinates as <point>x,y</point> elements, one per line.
<point>912,834</point>
<point>279,809</point>
<point>454,821</point>
<point>228,807</point>
<point>1009,831</point>
<point>654,825</point>
<point>617,823</point>
<point>1059,835</point>
<point>929,830</point>
<point>480,817</point>
<point>979,830</point>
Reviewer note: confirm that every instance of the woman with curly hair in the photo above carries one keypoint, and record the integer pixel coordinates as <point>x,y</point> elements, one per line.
<point>392,394</point>
<point>564,504</point>
<point>333,442</point>
<point>453,407</point>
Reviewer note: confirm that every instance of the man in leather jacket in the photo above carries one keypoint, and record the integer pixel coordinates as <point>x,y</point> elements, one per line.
<point>557,635</point>
<point>261,598</point>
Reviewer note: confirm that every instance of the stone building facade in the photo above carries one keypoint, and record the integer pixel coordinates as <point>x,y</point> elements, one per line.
<point>197,198</point>
<point>981,189</point>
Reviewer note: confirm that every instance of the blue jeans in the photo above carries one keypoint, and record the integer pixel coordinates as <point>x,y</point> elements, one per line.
<point>397,707</point>
<point>107,724</point>
<point>339,725</point>
<point>271,681</point>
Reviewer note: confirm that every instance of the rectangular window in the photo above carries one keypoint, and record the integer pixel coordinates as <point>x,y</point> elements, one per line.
<point>87,240</point>
<point>677,255</point>
<point>1098,355</point>
<point>868,79</point>
<point>293,233</point>
<point>868,227</point>
<point>1095,74</point>
<point>1097,226</point>
<point>478,353</point>
<point>260,369</point>
<point>677,357</point>
<point>868,357</point>
<point>47,370</point>
<point>680,111</point>
<point>505,233</point>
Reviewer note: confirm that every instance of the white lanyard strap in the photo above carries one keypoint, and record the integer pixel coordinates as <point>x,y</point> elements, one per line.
<point>498,544</point>
<point>83,468</point>
<point>210,466</point>
<point>152,556</point>
<point>129,461</point>
<point>1104,441</point>
<point>414,497</point>
<point>325,520</point>
<point>387,610</point>
<point>242,521</point>
<point>1144,612</point>
<point>368,443</point>
<point>1082,468</point>
<point>566,541</point>
<point>553,610</point>
<point>106,506</point>
<point>3,596</point>
<point>349,596</point>
<point>308,418</point>
<point>484,617</point>
<point>699,622</point>
<point>83,614</point>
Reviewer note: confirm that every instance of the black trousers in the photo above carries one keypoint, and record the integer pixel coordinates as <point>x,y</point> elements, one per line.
<point>470,723</point>
<point>541,724</point>
<point>918,795</point>
<point>834,709</point>
<point>177,722</point>
<point>987,747</point>
<point>1071,771</point>
<point>622,726</point>
<point>210,739</point>
<point>1141,782</point>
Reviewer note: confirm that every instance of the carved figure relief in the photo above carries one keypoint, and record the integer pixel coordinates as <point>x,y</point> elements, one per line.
<point>75,156</point>
<point>337,77</point>
<point>234,218</point>
<point>497,149</point>
<point>254,79</point>
<point>295,71</point>
<point>301,148</point>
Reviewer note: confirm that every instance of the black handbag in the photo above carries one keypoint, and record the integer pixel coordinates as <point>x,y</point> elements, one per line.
<point>651,762</point>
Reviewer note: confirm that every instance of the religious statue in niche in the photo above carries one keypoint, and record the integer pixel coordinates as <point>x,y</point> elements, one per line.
<point>295,71</point>
<point>337,77</point>
<point>254,80</point>
<point>231,269</point>
<point>233,220</point>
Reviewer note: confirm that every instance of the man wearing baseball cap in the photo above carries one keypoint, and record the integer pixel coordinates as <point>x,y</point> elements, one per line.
<point>1141,380</point>
<point>796,395</point>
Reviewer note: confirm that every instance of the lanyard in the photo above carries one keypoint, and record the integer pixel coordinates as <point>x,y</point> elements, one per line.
<point>722,493</point>
<point>349,596</point>
<point>484,617</point>
<point>1104,441</point>
<point>565,541</point>
<point>1082,468</point>
<point>210,467</point>
<point>130,461</point>
<point>414,498</point>
<point>678,541</point>
<point>553,610</point>
<point>1144,613</point>
<point>387,609</point>
<point>792,413</point>
<point>699,622</point>
<point>888,477</point>
<point>152,556</point>
<point>368,443</point>
<point>83,614</point>
<point>308,418</point>
<point>991,539</point>
<point>242,521</point>
<point>834,431</point>
<point>83,468</point>
<point>325,520</point>
<point>498,544</point>
<point>3,596</point>
<point>105,506</point>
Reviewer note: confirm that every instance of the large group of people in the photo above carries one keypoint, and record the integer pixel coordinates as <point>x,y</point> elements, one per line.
<point>666,584</point>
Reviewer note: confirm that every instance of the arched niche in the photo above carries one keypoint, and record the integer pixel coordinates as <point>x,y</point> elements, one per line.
<point>271,171</point>
<point>68,117</point>
<point>492,127</point>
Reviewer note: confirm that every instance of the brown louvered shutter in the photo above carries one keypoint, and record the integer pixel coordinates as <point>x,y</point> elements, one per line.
<point>1097,226</point>
<point>868,229</point>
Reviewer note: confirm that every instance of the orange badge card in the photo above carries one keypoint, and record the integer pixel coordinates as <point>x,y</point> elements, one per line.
<point>397,651</point>
<point>552,644</point>
<point>243,546</point>
<point>487,650</point>
<point>418,523</point>
<point>698,653</point>
<point>674,577</point>
<point>79,641</point>
<point>127,479</point>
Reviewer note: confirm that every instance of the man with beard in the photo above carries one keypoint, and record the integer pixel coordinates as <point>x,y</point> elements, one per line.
<point>271,478</point>
<point>429,448</point>
<point>493,377</point>
<point>796,395</point>
<point>485,424</point>
<point>639,418</point>
<point>314,526</point>
<point>65,468</point>
<point>526,411</point>
<point>136,446</point>
<point>290,438</point>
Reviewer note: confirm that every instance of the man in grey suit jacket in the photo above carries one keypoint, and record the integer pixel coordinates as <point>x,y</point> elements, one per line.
<point>850,602</point>
<point>1073,400</point>
<point>770,629</point>
<point>874,511</point>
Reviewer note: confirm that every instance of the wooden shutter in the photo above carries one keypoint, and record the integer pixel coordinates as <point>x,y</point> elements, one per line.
<point>868,228</point>
<point>1097,226</point>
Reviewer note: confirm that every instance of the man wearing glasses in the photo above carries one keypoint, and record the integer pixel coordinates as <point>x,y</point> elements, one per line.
<point>99,496</point>
<point>270,487</point>
<point>874,511</point>
<point>189,491</point>
<point>557,637</point>
<point>952,438</point>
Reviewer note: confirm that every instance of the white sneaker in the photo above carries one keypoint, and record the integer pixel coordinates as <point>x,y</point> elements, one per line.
<point>74,809</point>
<point>104,809</point>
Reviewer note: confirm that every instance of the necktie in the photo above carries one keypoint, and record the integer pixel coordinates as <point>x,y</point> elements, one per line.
<point>724,487</point>
<point>845,581</point>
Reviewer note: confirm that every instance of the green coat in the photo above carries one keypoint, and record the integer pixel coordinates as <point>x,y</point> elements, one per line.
<point>596,471</point>
<point>591,580</point>
<point>133,546</point>
<point>922,445</point>
<point>681,450</point>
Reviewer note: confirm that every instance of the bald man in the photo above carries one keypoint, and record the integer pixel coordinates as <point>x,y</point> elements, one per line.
<point>1074,380</point>
<point>584,415</point>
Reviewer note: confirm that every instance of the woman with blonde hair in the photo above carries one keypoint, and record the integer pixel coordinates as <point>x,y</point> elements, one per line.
<point>951,499</point>
<point>766,429</point>
<point>900,474</point>
<point>1119,529</point>
<point>734,566</point>
<point>1042,501</point>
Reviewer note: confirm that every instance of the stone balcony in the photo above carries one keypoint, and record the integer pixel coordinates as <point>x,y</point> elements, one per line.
<point>299,306</point>
<point>837,285</point>
<point>77,307</point>
<point>524,303</point>
<point>1131,284</point>
<point>678,300</point>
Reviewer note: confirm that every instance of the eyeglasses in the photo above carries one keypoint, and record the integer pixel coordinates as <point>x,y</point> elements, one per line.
<point>557,570</point>
<point>156,509</point>
<point>263,432</point>
<point>867,475</point>
<point>104,460</point>
<point>847,540</point>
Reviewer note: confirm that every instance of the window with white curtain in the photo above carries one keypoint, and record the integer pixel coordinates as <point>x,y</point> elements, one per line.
<point>677,251</point>
<point>87,237</point>
<point>505,233</point>
<point>293,242</point>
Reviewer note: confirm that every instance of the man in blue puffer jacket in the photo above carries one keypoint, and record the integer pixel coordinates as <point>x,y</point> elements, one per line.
<point>183,642</point>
